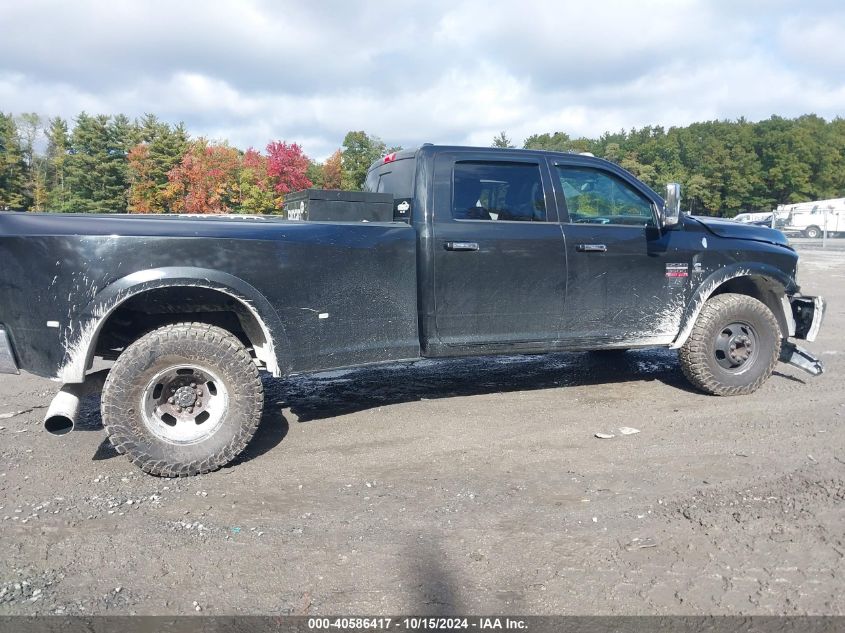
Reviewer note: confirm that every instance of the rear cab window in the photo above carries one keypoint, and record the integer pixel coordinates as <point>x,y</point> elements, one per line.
<point>396,177</point>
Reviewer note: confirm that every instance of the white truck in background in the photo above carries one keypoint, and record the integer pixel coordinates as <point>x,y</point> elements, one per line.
<point>813,218</point>
<point>753,218</point>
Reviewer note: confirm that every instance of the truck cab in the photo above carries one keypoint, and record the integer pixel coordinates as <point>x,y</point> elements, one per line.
<point>531,251</point>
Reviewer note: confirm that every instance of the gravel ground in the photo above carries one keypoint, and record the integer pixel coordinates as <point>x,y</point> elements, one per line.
<point>472,486</point>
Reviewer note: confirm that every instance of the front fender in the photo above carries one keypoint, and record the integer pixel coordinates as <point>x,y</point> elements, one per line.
<point>784,284</point>
<point>81,334</point>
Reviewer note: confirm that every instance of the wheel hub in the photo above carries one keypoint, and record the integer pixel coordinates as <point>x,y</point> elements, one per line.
<point>740,349</point>
<point>184,404</point>
<point>736,347</point>
<point>185,396</point>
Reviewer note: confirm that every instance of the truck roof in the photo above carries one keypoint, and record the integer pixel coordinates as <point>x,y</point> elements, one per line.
<point>425,148</point>
<point>412,152</point>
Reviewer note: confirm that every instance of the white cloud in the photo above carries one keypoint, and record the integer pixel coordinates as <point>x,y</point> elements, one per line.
<point>815,43</point>
<point>421,71</point>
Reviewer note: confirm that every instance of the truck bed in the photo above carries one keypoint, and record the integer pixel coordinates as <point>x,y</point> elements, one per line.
<point>329,294</point>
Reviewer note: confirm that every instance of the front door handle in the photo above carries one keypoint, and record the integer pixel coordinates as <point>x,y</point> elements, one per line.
<point>591,248</point>
<point>461,246</point>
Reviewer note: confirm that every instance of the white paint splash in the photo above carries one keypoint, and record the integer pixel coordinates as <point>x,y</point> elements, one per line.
<point>697,306</point>
<point>79,346</point>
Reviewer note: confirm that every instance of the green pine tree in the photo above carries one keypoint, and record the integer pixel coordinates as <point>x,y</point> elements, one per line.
<point>29,129</point>
<point>96,173</point>
<point>12,165</point>
<point>58,146</point>
<point>501,140</point>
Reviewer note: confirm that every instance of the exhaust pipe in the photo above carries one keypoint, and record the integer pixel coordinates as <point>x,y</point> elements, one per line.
<point>64,409</point>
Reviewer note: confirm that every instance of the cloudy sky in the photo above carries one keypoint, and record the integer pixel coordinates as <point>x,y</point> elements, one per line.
<point>422,71</point>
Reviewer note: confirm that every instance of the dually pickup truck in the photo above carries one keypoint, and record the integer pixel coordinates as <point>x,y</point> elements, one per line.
<point>490,251</point>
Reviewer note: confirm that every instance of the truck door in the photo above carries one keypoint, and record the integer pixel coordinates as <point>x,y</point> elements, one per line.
<point>628,279</point>
<point>498,252</point>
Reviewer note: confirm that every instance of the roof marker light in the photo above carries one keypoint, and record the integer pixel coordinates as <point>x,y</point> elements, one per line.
<point>389,158</point>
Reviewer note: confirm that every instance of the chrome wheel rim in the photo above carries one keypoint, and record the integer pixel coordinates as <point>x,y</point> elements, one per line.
<point>736,347</point>
<point>184,404</point>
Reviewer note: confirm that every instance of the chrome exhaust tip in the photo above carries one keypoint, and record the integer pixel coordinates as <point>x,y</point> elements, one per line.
<point>58,425</point>
<point>63,411</point>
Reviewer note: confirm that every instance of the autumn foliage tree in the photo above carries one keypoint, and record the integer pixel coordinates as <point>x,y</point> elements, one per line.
<point>333,171</point>
<point>257,195</point>
<point>216,178</point>
<point>206,181</point>
<point>287,167</point>
<point>142,187</point>
<point>160,149</point>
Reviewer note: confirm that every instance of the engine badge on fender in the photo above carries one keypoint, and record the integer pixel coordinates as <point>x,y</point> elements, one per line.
<point>677,270</point>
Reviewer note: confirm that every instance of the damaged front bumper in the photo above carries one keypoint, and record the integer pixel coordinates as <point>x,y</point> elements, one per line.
<point>802,359</point>
<point>807,316</point>
<point>7,357</point>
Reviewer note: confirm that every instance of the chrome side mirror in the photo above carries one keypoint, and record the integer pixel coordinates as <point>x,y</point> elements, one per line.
<point>672,205</point>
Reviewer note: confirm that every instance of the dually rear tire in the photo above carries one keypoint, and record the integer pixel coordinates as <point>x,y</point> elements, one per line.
<point>183,400</point>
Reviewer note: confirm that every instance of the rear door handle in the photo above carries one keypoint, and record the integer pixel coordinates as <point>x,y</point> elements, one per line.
<point>461,246</point>
<point>591,248</point>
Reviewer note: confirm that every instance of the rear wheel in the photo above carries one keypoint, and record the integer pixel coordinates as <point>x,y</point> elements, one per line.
<point>813,232</point>
<point>182,400</point>
<point>733,346</point>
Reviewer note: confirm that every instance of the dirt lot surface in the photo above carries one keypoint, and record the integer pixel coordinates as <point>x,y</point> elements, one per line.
<point>472,486</point>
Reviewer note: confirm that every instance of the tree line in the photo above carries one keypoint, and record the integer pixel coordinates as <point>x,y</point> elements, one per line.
<point>725,167</point>
<point>112,164</point>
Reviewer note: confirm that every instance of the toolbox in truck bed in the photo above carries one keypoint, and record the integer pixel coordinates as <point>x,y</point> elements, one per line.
<point>334,205</point>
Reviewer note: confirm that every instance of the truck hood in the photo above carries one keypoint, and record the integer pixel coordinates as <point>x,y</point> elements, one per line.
<point>739,231</point>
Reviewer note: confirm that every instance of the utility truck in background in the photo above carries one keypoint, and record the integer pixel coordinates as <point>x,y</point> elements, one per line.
<point>813,218</point>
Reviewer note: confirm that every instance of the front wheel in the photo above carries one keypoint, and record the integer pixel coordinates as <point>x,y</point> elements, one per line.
<point>813,232</point>
<point>182,400</point>
<point>733,347</point>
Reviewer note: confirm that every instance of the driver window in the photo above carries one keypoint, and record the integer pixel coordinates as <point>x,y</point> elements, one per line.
<point>594,196</point>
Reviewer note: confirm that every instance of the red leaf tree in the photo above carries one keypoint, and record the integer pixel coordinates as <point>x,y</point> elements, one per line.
<point>287,167</point>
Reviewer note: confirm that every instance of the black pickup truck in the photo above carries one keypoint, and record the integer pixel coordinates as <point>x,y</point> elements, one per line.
<point>490,251</point>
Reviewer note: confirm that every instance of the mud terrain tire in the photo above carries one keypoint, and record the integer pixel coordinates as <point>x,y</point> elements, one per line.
<point>182,400</point>
<point>733,347</point>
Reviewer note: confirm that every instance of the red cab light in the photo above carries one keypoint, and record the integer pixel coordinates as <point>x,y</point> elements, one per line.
<point>389,158</point>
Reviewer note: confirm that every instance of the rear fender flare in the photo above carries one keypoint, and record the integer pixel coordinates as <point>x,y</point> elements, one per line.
<point>80,336</point>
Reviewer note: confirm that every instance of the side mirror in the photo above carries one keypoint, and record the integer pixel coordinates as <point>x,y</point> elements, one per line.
<point>672,205</point>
